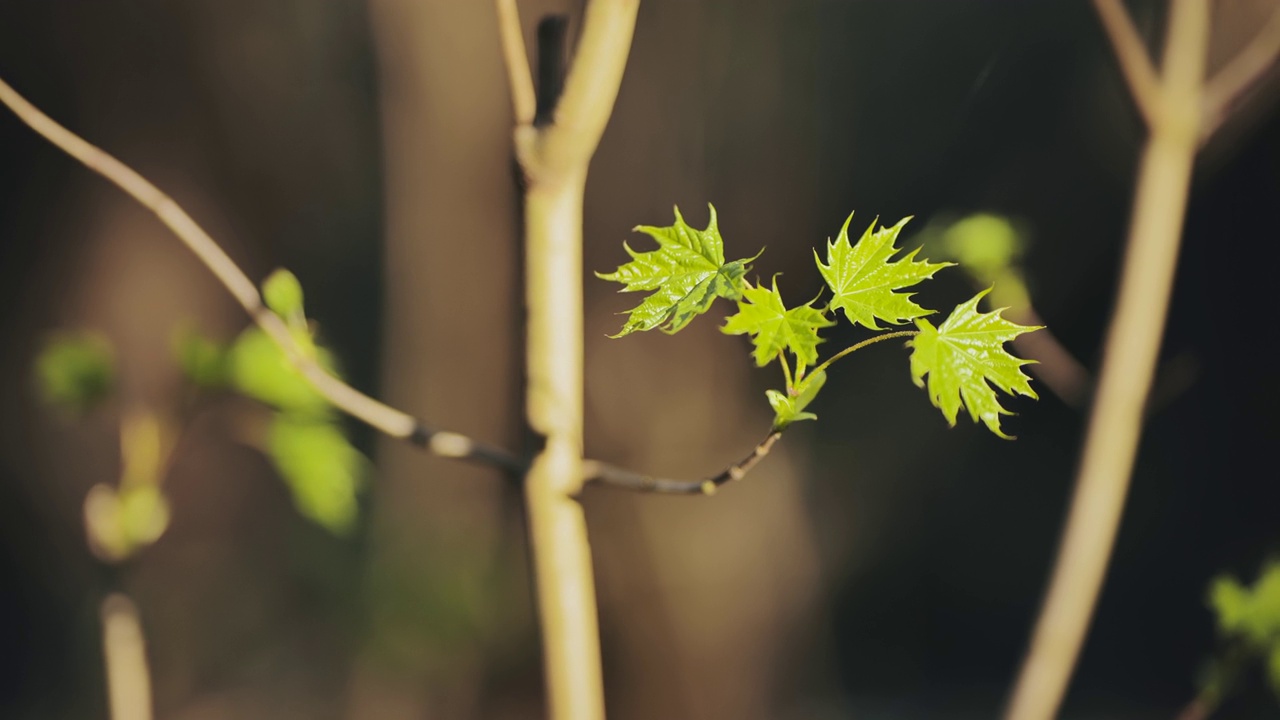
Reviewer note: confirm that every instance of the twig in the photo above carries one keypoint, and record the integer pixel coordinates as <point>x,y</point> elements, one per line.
<point>382,417</point>
<point>523,100</point>
<point>858,346</point>
<point>124,652</point>
<point>1131,350</point>
<point>1224,91</point>
<point>611,476</point>
<point>1131,52</point>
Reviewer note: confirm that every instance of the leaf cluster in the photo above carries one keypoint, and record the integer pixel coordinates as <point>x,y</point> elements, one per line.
<point>961,361</point>
<point>304,437</point>
<point>1248,621</point>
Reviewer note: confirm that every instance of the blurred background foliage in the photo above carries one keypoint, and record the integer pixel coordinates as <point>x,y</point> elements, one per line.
<point>878,565</point>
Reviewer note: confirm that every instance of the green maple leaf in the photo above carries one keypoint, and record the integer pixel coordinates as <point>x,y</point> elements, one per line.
<point>863,278</point>
<point>687,271</point>
<point>773,327</point>
<point>964,357</point>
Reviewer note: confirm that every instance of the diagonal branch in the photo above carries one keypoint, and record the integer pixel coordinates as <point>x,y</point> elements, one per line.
<point>382,417</point>
<point>605,474</point>
<point>1224,91</point>
<point>1131,52</point>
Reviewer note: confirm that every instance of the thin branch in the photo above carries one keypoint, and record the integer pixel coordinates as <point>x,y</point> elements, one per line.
<point>1224,91</point>
<point>523,98</point>
<point>1131,52</point>
<point>611,476</point>
<point>1128,368</point>
<point>382,417</point>
<point>858,346</point>
<point>124,653</point>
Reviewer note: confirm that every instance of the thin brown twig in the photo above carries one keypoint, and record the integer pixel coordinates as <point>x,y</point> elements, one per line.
<point>605,474</point>
<point>1131,52</point>
<point>516,58</point>
<point>1224,91</point>
<point>385,418</point>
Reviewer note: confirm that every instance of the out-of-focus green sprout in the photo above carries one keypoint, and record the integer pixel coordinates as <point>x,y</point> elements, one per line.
<point>989,249</point>
<point>282,292</point>
<point>259,369</point>
<point>322,469</point>
<point>203,360</point>
<point>1248,620</point>
<point>76,371</point>
<point>120,522</point>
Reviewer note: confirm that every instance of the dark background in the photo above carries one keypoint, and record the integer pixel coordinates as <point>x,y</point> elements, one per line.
<point>881,565</point>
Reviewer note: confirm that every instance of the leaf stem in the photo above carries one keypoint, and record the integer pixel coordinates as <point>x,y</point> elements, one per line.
<point>786,371</point>
<point>858,346</point>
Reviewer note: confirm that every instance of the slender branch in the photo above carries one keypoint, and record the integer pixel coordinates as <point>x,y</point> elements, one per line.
<point>523,99</point>
<point>1131,350</point>
<point>385,418</point>
<point>1224,91</point>
<point>1131,52</point>
<point>611,476</point>
<point>786,370</point>
<point>856,347</point>
<point>124,653</point>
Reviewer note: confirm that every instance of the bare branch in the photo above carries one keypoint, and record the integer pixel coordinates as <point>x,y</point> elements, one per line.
<point>1224,91</point>
<point>1124,384</point>
<point>382,417</point>
<point>611,476</point>
<point>523,98</point>
<point>1131,52</point>
<point>567,144</point>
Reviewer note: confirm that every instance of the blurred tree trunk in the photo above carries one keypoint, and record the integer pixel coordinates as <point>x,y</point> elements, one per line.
<point>443,578</point>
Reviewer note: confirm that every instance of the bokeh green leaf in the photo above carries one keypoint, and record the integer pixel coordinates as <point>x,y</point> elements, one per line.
<point>76,370</point>
<point>282,292</point>
<point>258,369</point>
<point>323,471</point>
<point>203,360</point>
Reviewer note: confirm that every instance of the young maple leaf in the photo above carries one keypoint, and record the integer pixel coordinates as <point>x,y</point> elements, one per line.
<point>863,278</point>
<point>965,353</point>
<point>773,327</point>
<point>687,271</point>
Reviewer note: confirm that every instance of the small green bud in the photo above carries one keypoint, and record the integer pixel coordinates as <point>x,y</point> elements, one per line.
<point>283,294</point>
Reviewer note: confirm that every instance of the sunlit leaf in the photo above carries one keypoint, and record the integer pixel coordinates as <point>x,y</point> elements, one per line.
<point>772,327</point>
<point>964,357</point>
<point>687,273</point>
<point>864,279</point>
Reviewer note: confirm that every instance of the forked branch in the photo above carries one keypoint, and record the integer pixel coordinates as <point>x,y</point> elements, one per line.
<point>1131,53</point>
